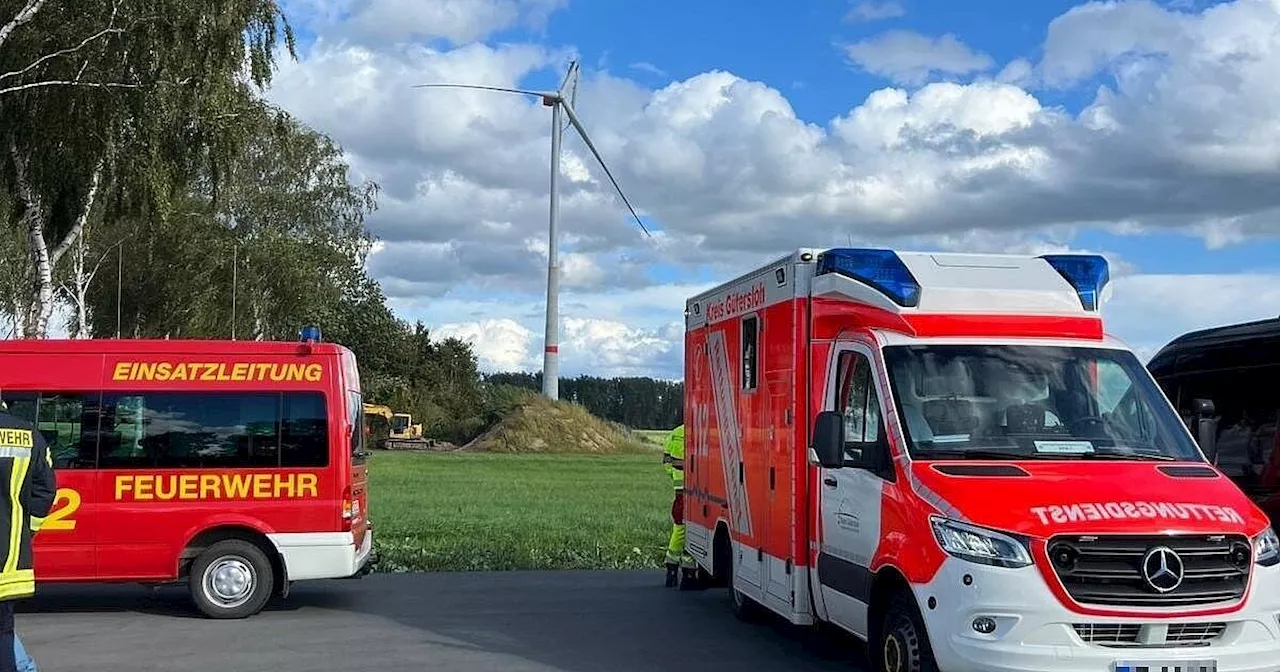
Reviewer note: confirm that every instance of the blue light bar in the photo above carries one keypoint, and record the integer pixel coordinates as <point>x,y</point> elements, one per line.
<point>1087,273</point>
<point>881,269</point>
<point>310,334</point>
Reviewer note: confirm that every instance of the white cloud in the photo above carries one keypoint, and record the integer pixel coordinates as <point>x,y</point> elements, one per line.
<point>458,21</point>
<point>869,10</point>
<point>1181,135</point>
<point>646,67</point>
<point>907,57</point>
<point>596,346</point>
<point>1148,311</point>
<point>500,345</point>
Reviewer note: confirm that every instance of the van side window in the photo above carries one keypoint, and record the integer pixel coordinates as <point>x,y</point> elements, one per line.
<point>68,421</point>
<point>750,351</point>
<point>860,406</point>
<point>213,430</point>
<point>1248,414</point>
<point>304,432</point>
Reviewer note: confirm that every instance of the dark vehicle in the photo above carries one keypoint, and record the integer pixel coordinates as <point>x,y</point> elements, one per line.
<point>1237,368</point>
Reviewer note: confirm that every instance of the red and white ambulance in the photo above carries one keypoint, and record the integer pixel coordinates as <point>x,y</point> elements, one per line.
<point>237,467</point>
<point>945,455</point>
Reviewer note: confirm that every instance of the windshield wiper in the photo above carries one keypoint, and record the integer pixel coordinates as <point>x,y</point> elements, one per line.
<point>1127,456</point>
<point>980,454</point>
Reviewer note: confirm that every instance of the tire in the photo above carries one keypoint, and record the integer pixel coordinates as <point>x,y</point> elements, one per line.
<point>745,608</point>
<point>903,644</point>
<point>232,578</point>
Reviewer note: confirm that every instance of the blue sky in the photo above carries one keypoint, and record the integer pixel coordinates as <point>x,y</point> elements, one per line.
<point>780,127</point>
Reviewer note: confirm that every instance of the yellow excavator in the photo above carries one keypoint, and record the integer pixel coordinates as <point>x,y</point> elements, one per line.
<point>389,430</point>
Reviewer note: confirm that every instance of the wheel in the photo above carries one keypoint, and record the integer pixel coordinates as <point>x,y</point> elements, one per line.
<point>231,579</point>
<point>903,645</point>
<point>744,607</point>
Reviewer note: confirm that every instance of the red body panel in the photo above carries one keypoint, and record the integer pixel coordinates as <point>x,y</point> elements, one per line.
<point>770,433</point>
<point>1082,498</point>
<point>830,316</point>
<point>112,524</point>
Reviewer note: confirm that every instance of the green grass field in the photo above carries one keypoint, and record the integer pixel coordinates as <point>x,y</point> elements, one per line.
<point>481,512</point>
<point>657,437</point>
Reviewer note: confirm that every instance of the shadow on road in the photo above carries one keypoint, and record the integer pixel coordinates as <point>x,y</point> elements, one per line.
<point>516,621</point>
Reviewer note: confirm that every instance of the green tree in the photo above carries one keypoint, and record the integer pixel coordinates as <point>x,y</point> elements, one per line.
<point>124,100</point>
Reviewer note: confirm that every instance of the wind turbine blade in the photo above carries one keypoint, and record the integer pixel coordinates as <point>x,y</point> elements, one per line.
<point>571,80</point>
<point>573,119</point>
<point>568,75</point>
<point>480,87</point>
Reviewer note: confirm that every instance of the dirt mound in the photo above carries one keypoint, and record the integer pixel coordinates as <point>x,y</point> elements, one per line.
<point>539,425</point>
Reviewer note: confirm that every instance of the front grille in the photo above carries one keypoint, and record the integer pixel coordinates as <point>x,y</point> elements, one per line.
<point>1108,570</point>
<point>1109,634</point>
<point>1194,634</point>
<point>1137,635</point>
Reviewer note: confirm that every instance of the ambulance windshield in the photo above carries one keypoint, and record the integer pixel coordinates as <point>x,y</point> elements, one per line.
<point>1032,402</point>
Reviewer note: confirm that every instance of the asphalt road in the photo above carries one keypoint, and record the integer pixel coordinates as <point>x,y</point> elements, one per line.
<point>513,622</point>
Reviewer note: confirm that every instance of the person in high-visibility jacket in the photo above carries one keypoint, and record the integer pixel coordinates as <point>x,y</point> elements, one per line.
<point>25,464</point>
<point>673,458</point>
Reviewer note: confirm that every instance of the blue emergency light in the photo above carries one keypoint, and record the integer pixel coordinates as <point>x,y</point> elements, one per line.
<point>309,334</point>
<point>1088,274</point>
<point>882,269</point>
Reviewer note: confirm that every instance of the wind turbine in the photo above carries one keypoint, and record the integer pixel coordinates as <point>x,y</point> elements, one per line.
<point>561,102</point>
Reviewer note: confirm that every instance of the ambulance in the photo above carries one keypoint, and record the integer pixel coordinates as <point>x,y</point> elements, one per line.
<point>948,457</point>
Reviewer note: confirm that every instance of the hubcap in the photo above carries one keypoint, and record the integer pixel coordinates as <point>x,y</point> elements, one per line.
<point>229,582</point>
<point>892,654</point>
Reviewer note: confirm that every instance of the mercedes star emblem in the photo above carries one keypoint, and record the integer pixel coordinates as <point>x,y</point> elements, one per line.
<point>1163,569</point>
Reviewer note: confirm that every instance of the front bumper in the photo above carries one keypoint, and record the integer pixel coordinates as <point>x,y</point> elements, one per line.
<point>1035,632</point>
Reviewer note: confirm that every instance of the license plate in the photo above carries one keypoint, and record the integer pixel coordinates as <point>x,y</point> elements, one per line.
<point>1171,666</point>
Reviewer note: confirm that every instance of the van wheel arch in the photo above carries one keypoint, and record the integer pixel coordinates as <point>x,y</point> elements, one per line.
<point>211,536</point>
<point>721,556</point>
<point>891,592</point>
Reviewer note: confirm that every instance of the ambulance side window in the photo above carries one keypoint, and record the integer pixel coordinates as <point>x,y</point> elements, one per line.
<point>750,351</point>
<point>860,406</point>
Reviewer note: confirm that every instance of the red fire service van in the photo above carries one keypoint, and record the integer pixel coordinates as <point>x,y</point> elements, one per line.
<point>945,455</point>
<point>237,467</point>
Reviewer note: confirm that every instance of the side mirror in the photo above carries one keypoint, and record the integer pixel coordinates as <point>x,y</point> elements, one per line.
<point>828,439</point>
<point>1206,428</point>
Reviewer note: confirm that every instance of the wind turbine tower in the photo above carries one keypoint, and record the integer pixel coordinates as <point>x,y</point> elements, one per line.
<point>561,102</point>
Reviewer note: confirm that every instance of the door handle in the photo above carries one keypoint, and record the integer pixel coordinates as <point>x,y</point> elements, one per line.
<point>829,481</point>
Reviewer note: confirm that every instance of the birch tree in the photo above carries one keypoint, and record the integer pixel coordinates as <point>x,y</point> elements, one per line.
<point>123,101</point>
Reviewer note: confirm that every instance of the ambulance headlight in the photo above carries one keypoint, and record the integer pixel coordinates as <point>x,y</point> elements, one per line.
<point>1266,548</point>
<point>980,545</point>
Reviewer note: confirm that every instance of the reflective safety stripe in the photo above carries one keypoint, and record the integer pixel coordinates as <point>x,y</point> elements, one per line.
<point>19,583</point>
<point>17,474</point>
<point>15,451</point>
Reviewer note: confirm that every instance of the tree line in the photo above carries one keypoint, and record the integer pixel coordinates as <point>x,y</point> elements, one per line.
<point>149,190</point>
<point>637,402</point>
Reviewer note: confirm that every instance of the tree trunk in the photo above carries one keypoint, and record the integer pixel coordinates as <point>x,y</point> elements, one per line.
<point>32,222</point>
<point>43,258</point>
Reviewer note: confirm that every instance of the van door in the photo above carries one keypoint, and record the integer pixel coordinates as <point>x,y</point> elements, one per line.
<point>849,498</point>
<point>359,472</point>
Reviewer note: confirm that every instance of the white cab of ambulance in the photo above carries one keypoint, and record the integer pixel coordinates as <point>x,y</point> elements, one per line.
<point>946,455</point>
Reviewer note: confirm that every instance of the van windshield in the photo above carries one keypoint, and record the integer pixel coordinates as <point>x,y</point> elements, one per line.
<point>1032,402</point>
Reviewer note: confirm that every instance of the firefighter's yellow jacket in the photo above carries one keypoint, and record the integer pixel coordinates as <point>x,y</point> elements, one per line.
<point>25,465</point>
<point>673,456</point>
